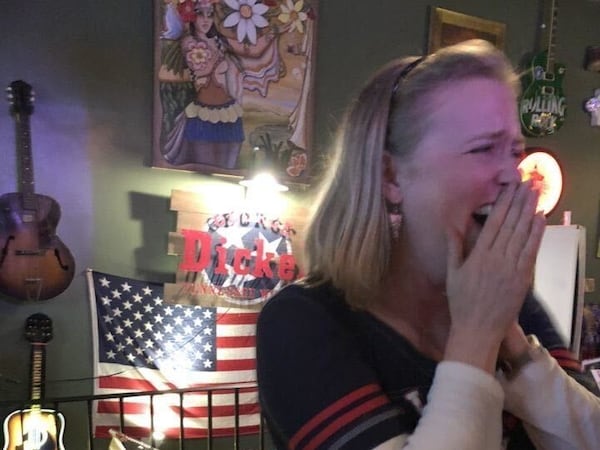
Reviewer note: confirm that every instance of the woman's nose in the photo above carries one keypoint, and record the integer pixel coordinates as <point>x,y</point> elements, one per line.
<point>509,171</point>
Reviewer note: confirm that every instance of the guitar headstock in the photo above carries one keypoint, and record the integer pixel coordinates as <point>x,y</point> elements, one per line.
<point>20,96</point>
<point>38,328</point>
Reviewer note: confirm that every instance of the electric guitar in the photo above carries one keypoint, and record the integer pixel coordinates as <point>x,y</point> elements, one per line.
<point>543,106</point>
<point>35,428</point>
<point>34,263</point>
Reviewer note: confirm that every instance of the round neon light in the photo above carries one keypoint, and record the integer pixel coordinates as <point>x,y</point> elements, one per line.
<point>546,173</point>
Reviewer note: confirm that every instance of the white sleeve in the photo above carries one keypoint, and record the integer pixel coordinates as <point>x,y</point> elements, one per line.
<point>463,411</point>
<point>557,412</point>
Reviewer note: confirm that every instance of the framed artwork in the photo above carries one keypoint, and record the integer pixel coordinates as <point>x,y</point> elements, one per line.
<point>233,86</point>
<point>449,27</point>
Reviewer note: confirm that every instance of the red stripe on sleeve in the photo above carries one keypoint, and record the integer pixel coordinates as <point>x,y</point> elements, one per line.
<point>345,419</point>
<point>331,410</point>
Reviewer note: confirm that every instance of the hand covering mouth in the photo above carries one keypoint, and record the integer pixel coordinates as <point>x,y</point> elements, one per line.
<point>481,214</point>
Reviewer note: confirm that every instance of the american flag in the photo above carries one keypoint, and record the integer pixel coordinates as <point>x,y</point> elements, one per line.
<point>143,343</point>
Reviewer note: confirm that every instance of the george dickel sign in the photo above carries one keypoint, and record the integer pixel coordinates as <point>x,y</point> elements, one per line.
<point>239,260</point>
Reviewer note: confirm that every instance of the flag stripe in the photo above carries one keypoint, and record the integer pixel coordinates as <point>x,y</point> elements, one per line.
<point>246,318</point>
<point>219,398</point>
<point>161,383</point>
<point>173,433</point>
<point>129,384</point>
<point>113,407</point>
<point>239,364</point>
<point>236,341</point>
<point>240,354</point>
<point>171,421</point>
<point>235,330</point>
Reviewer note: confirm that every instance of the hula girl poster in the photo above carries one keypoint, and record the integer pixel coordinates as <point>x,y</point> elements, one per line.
<point>233,86</point>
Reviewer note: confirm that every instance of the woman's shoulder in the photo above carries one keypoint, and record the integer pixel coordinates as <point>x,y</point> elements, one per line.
<point>300,318</point>
<point>299,304</point>
<point>300,296</point>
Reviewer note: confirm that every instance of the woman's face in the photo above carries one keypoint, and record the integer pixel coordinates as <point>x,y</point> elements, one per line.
<point>204,20</point>
<point>472,149</point>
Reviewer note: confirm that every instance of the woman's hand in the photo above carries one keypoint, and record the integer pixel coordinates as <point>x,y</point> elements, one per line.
<point>514,343</point>
<point>487,287</point>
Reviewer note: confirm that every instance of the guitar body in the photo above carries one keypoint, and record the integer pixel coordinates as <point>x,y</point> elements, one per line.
<point>34,262</point>
<point>543,105</point>
<point>34,429</point>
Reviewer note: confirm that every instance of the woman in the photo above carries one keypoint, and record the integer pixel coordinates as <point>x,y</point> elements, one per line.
<point>415,326</point>
<point>209,131</point>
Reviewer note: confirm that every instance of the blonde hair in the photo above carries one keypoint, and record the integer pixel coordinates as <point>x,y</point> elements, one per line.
<point>348,239</point>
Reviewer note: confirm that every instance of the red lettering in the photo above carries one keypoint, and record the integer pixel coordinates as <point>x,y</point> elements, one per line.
<point>262,265</point>
<point>220,267</point>
<point>195,258</point>
<point>199,245</point>
<point>241,255</point>
<point>202,288</point>
<point>186,289</point>
<point>287,267</point>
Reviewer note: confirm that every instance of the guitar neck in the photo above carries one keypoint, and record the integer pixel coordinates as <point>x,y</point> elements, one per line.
<point>38,370</point>
<point>25,169</point>
<point>553,25</point>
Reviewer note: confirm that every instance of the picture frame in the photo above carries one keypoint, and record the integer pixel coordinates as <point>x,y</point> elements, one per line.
<point>234,95</point>
<point>448,27</point>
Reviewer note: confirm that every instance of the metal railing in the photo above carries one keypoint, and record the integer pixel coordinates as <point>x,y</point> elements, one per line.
<point>80,410</point>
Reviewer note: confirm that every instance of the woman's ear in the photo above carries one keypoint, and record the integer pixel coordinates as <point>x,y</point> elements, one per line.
<point>391,187</point>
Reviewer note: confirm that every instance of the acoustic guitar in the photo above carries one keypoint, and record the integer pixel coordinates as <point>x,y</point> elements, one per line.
<point>34,263</point>
<point>35,428</point>
<point>543,105</point>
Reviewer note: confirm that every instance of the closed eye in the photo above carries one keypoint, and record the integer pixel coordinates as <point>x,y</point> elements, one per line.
<point>519,153</point>
<point>482,149</point>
